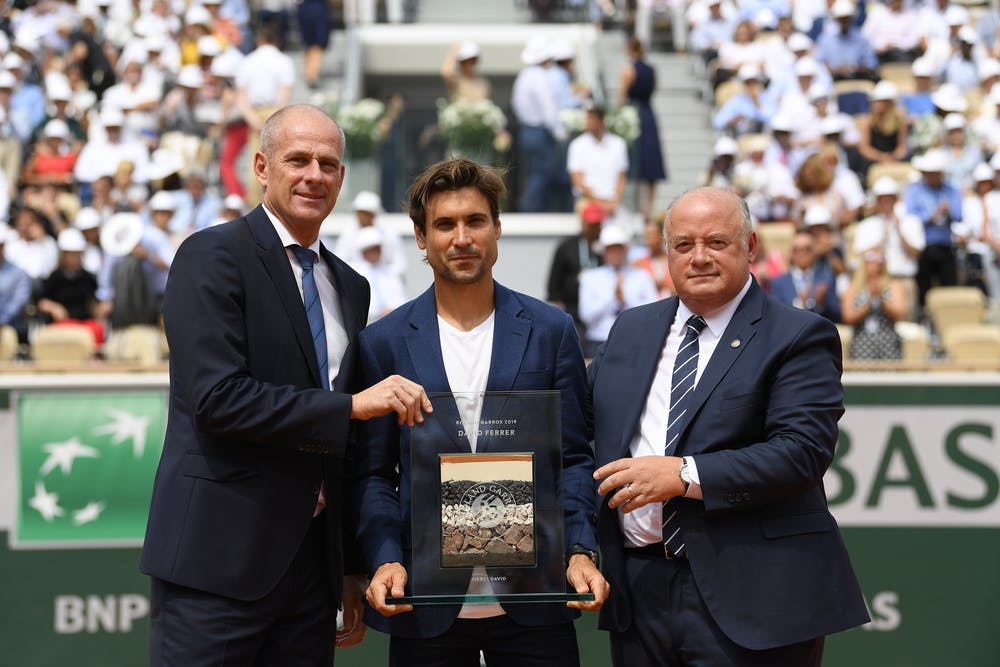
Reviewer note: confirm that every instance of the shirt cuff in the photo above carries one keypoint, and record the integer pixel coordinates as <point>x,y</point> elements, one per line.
<point>694,489</point>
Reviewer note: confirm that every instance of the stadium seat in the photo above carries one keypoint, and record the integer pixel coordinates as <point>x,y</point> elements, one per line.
<point>973,344</point>
<point>63,342</point>
<point>777,236</point>
<point>139,344</point>
<point>900,74</point>
<point>949,307</point>
<point>8,343</point>
<point>916,343</point>
<point>846,332</point>
<point>853,96</point>
<point>901,172</point>
<point>727,90</point>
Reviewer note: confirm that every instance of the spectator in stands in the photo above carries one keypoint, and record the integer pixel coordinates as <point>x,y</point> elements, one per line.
<point>224,28</point>
<point>68,295</point>
<point>181,129</point>
<point>87,53</point>
<point>367,206</point>
<point>721,170</point>
<point>278,14</point>
<point>829,251</point>
<point>741,50</point>
<point>897,234</point>
<point>937,205</point>
<point>829,124</point>
<point>847,52</point>
<point>609,289</point>
<point>27,102</point>
<point>769,188</point>
<point>11,149</point>
<point>460,76</point>
<point>654,260</point>
<point>387,289</point>
<point>768,264</point>
<point>814,181</point>
<point>103,199</point>
<point>749,111</point>
<point>88,221</point>
<point>569,95</point>
<point>873,303</point>
<point>573,255</point>
<point>101,157</point>
<point>709,35</point>
<point>961,70</point>
<point>962,152</point>
<point>637,86</point>
<point>928,130</point>
<point>597,161</point>
<point>882,134</point>
<point>534,104</point>
<point>197,205</point>
<point>53,158</point>
<point>918,103</point>
<point>264,83</point>
<point>981,231</point>
<point>893,32</point>
<point>160,212</point>
<point>33,247</point>
<point>134,275</point>
<point>59,94</point>
<point>803,285</point>
<point>15,287</point>
<point>137,101</point>
<point>197,24</point>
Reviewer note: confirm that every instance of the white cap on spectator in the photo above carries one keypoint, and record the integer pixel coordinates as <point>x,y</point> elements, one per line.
<point>994,96</point>
<point>164,162</point>
<point>798,41</point>
<point>13,61</point>
<point>562,50</point>
<point>949,98</point>
<point>58,90</point>
<point>968,34</point>
<point>190,77</point>
<point>112,117</point>
<point>369,237</point>
<point>162,201</point>
<point>71,240</point>
<point>4,42</point>
<point>817,215</point>
<point>211,2</point>
<point>87,218</point>
<point>806,67</point>
<point>749,71</point>
<point>536,51</point>
<point>842,8</point>
<point>922,67</point>
<point>831,125</point>
<point>121,234</point>
<point>197,15</point>
<point>56,129</point>
<point>886,185</point>
<point>714,2</point>
<point>782,122</point>
<point>765,18</point>
<point>612,235</point>
<point>725,146</point>
<point>7,80</point>
<point>954,121</point>
<point>819,91</point>
<point>885,90</point>
<point>226,63</point>
<point>155,42</point>
<point>995,161</point>
<point>234,203</point>
<point>467,51</point>
<point>956,15</point>
<point>27,39</point>
<point>208,46</point>
<point>982,172</point>
<point>933,161</point>
<point>7,233</point>
<point>367,201</point>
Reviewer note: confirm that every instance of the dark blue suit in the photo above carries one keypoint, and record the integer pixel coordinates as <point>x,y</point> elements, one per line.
<point>251,432</point>
<point>535,347</point>
<point>764,550</point>
<point>783,289</point>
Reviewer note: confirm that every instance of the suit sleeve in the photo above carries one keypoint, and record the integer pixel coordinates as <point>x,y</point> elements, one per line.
<point>579,489</point>
<point>804,401</point>
<point>207,328</point>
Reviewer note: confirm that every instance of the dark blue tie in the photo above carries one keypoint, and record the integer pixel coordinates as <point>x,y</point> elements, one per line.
<point>681,388</point>
<point>314,310</point>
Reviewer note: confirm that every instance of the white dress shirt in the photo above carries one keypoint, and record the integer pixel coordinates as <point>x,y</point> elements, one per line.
<point>533,100</point>
<point>601,162</point>
<point>599,307</point>
<point>644,525</point>
<point>877,232</point>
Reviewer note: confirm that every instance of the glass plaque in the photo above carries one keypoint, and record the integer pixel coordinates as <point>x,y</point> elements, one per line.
<point>486,488</point>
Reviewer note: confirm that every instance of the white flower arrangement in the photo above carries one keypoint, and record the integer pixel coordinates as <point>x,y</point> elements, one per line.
<point>470,126</point>
<point>624,122</point>
<point>360,122</point>
<point>573,120</point>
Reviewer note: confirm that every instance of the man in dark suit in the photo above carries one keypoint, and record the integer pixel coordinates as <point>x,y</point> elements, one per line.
<point>806,285</point>
<point>244,540</point>
<point>715,417</point>
<point>469,334</point>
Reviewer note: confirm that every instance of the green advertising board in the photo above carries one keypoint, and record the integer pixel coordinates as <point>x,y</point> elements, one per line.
<point>914,485</point>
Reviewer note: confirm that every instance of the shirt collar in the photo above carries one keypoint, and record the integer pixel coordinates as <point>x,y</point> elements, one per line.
<point>284,235</point>
<point>717,320</point>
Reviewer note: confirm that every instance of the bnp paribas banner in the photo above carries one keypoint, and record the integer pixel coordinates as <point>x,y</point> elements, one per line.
<point>86,465</point>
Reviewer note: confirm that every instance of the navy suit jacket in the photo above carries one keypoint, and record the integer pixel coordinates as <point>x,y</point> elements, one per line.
<point>535,347</point>
<point>783,289</point>
<point>765,552</point>
<point>251,432</point>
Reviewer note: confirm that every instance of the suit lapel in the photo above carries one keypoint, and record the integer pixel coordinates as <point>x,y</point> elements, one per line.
<point>275,260</point>
<point>648,350</point>
<point>735,339</point>
<point>423,343</point>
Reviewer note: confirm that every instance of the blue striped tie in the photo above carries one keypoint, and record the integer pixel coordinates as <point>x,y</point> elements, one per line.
<point>314,310</point>
<point>681,387</point>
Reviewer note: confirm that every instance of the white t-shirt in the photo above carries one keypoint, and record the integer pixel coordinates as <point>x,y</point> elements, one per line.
<point>875,232</point>
<point>601,162</point>
<point>467,356</point>
<point>263,73</point>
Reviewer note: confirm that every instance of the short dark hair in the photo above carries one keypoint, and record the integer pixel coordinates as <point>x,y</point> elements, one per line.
<point>454,174</point>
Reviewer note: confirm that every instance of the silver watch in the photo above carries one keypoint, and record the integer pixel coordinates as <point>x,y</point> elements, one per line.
<point>685,475</point>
